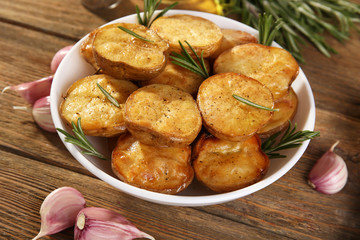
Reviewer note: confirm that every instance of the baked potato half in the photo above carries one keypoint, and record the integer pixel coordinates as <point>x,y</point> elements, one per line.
<point>202,34</point>
<point>232,38</point>
<point>225,166</point>
<point>99,117</point>
<point>86,49</point>
<point>180,77</point>
<point>124,56</point>
<point>162,115</point>
<point>223,115</point>
<point>280,120</point>
<point>275,67</point>
<point>159,169</point>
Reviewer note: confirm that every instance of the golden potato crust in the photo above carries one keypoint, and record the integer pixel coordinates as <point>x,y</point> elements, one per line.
<point>124,56</point>
<point>275,67</point>
<point>233,38</point>
<point>200,33</point>
<point>99,117</point>
<point>162,115</point>
<point>280,120</point>
<point>160,169</point>
<point>225,166</point>
<point>223,115</point>
<point>86,49</point>
<point>180,77</point>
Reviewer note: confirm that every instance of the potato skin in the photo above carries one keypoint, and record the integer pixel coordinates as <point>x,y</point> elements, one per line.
<point>202,34</point>
<point>225,166</point>
<point>180,77</point>
<point>223,115</point>
<point>159,169</point>
<point>86,49</point>
<point>99,117</point>
<point>232,38</point>
<point>162,115</point>
<point>276,68</point>
<point>124,56</point>
<point>280,120</point>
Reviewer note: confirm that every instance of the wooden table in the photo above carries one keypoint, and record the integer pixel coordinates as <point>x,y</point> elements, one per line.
<point>35,162</point>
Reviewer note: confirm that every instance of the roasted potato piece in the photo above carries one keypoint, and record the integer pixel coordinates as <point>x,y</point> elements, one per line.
<point>99,117</point>
<point>202,34</point>
<point>86,49</point>
<point>272,66</point>
<point>232,38</point>
<point>180,77</point>
<point>159,169</point>
<point>124,56</point>
<point>162,115</point>
<point>225,166</point>
<point>223,115</point>
<point>287,108</point>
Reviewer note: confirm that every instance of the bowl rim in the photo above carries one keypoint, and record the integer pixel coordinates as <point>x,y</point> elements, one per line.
<point>177,200</point>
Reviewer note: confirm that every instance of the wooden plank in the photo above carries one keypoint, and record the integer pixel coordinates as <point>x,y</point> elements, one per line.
<point>25,184</point>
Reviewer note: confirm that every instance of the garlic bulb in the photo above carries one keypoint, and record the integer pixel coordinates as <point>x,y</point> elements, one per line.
<point>42,115</point>
<point>58,57</point>
<point>102,224</point>
<point>32,91</point>
<point>59,210</point>
<point>329,174</point>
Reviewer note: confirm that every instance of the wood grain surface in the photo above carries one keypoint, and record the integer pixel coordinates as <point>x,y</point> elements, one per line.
<point>34,162</point>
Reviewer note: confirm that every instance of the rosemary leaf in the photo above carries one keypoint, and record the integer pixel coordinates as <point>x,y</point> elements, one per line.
<point>150,6</point>
<point>108,96</point>
<point>290,139</point>
<point>80,140</point>
<point>248,102</point>
<point>134,34</point>
<point>186,61</point>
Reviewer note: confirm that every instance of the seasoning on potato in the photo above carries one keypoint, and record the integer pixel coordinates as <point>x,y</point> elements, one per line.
<point>202,34</point>
<point>275,67</point>
<point>159,169</point>
<point>124,56</point>
<point>162,115</point>
<point>223,115</point>
<point>99,116</point>
<point>225,166</point>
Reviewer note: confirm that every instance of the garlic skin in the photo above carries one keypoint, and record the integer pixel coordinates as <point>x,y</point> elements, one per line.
<point>58,57</point>
<point>102,224</point>
<point>329,174</point>
<point>42,114</point>
<point>32,91</point>
<point>59,210</point>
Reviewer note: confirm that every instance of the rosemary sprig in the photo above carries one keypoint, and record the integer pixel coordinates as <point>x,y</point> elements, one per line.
<point>250,103</point>
<point>80,140</point>
<point>290,139</point>
<point>108,96</point>
<point>268,28</point>
<point>186,61</point>
<point>134,34</point>
<point>150,7</point>
<point>308,19</point>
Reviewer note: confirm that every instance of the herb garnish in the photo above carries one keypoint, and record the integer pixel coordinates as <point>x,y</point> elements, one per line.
<point>80,140</point>
<point>302,18</point>
<point>186,61</point>
<point>290,139</point>
<point>248,102</point>
<point>108,96</point>
<point>134,34</point>
<point>268,28</point>
<point>150,7</point>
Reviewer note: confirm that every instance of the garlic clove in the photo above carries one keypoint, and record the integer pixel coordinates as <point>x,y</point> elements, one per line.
<point>42,114</point>
<point>32,91</point>
<point>59,210</point>
<point>102,224</point>
<point>58,57</point>
<point>329,174</point>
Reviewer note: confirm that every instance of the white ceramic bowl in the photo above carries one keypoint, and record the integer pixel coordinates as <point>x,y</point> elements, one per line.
<point>74,67</point>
